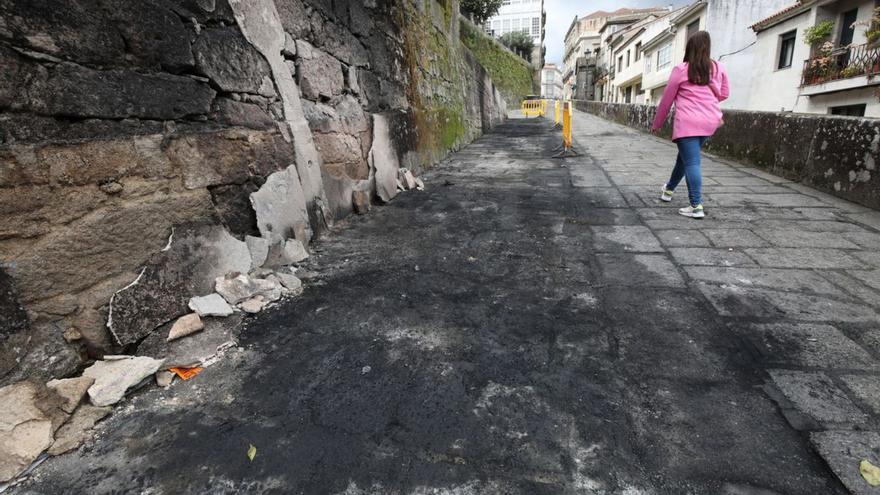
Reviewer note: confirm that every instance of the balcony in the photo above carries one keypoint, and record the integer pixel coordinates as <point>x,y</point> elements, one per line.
<point>841,69</point>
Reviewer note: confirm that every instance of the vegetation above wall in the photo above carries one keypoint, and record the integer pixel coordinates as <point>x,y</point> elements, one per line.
<point>511,74</point>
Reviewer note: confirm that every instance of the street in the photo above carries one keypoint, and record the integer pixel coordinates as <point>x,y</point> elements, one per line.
<point>535,326</point>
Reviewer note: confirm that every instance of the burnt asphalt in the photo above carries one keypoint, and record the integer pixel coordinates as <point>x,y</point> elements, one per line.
<point>469,339</point>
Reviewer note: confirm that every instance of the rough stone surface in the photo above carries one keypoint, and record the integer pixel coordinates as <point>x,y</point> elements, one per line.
<point>634,239</point>
<point>114,378</point>
<point>225,56</point>
<point>844,451</point>
<point>184,326</point>
<point>253,305</point>
<point>164,378</point>
<point>318,74</point>
<point>259,249</point>
<point>195,350</point>
<point>814,394</point>
<point>210,305</point>
<point>289,252</point>
<point>13,317</point>
<point>280,205</point>
<point>196,257</point>
<point>361,202</point>
<point>71,391</point>
<point>383,159</point>
<point>290,282</point>
<point>29,415</point>
<point>809,345</point>
<point>77,429</point>
<point>238,288</point>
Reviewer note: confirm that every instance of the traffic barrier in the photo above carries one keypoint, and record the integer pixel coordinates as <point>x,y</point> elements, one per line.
<point>557,114</point>
<point>567,148</point>
<point>534,108</point>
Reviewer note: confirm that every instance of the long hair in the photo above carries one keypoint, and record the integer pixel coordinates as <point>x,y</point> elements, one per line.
<point>696,54</point>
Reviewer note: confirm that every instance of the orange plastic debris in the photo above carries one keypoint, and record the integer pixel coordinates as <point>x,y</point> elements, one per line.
<point>186,373</point>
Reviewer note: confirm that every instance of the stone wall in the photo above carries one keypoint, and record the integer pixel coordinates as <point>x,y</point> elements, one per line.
<point>838,155</point>
<point>127,127</point>
<point>513,75</point>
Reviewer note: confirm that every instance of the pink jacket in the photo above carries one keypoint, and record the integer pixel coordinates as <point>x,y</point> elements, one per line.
<point>697,108</point>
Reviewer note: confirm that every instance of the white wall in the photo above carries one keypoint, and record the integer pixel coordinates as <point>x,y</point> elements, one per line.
<point>729,21</point>
<point>823,103</point>
<point>773,89</point>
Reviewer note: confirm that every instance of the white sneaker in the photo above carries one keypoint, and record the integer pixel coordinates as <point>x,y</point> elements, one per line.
<point>665,194</point>
<point>693,212</point>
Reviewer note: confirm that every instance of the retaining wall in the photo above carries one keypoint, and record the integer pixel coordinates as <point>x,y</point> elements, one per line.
<point>837,155</point>
<point>124,121</point>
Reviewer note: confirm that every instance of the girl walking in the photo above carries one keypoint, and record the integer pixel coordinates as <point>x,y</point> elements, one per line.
<point>697,87</point>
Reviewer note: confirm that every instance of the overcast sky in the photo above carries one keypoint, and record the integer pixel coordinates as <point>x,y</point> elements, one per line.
<point>560,13</point>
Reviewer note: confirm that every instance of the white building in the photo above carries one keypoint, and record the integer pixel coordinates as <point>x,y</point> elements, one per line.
<point>794,76</point>
<point>521,15</point>
<point>630,63</point>
<point>551,82</point>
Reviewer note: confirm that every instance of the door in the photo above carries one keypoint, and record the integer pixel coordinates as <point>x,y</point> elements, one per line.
<point>847,29</point>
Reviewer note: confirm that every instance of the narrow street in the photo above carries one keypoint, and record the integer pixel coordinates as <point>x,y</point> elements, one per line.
<point>532,326</point>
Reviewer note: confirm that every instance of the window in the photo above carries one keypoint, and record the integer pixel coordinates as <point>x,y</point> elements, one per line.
<point>525,26</point>
<point>848,30</point>
<point>627,58</point>
<point>506,28</point>
<point>536,26</point>
<point>664,56</point>
<point>693,28</point>
<point>786,49</point>
<point>620,63</point>
<point>638,51</point>
<point>849,110</point>
<point>648,63</point>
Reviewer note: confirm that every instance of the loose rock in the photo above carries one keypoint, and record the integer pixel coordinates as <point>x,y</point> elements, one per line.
<point>291,282</point>
<point>71,391</point>
<point>113,378</point>
<point>240,287</point>
<point>29,415</point>
<point>210,305</point>
<point>361,201</point>
<point>259,249</point>
<point>164,378</point>
<point>76,431</point>
<point>253,305</point>
<point>406,178</point>
<point>291,251</point>
<point>185,325</point>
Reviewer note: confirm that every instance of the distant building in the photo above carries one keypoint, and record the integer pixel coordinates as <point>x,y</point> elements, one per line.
<point>527,16</point>
<point>551,82</point>
<point>791,75</point>
<point>584,65</point>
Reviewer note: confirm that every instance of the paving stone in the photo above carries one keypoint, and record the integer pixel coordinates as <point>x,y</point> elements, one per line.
<point>711,257</point>
<point>588,177</point>
<point>731,300</point>
<point>603,197</point>
<point>771,278</point>
<point>865,388</point>
<point>844,451</point>
<point>870,277</point>
<point>808,345</point>
<point>853,286</point>
<point>803,258</point>
<point>799,238</point>
<point>682,238</point>
<point>814,394</point>
<point>775,200</point>
<point>625,238</point>
<point>644,270</point>
<point>726,238</point>
<point>867,240</point>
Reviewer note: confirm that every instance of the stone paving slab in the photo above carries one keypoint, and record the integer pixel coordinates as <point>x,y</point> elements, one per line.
<point>816,395</point>
<point>808,345</point>
<point>657,270</point>
<point>803,258</point>
<point>625,238</point>
<point>711,257</point>
<point>844,451</point>
<point>769,278</point>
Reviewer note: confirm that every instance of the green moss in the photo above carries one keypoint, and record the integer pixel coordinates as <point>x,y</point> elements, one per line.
<point>511,74</point>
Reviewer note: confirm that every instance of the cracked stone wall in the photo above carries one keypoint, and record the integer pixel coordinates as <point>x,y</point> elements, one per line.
<point>837,155</point>
<point>123,122</point>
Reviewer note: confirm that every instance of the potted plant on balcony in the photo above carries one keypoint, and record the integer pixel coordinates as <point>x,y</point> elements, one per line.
<point>819,67</point>
<point>820,32</point>
<point>872,28</point>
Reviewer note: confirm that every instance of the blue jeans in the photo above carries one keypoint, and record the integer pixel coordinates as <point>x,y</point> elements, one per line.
<point>687,165</point>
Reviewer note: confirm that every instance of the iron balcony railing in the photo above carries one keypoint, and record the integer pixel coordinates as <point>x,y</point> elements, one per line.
<point>842,63</point>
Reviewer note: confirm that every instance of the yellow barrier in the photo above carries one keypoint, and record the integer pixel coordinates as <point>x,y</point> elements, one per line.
<point>534,108</point>
<point>567,148</point>
<point>556,114</point>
